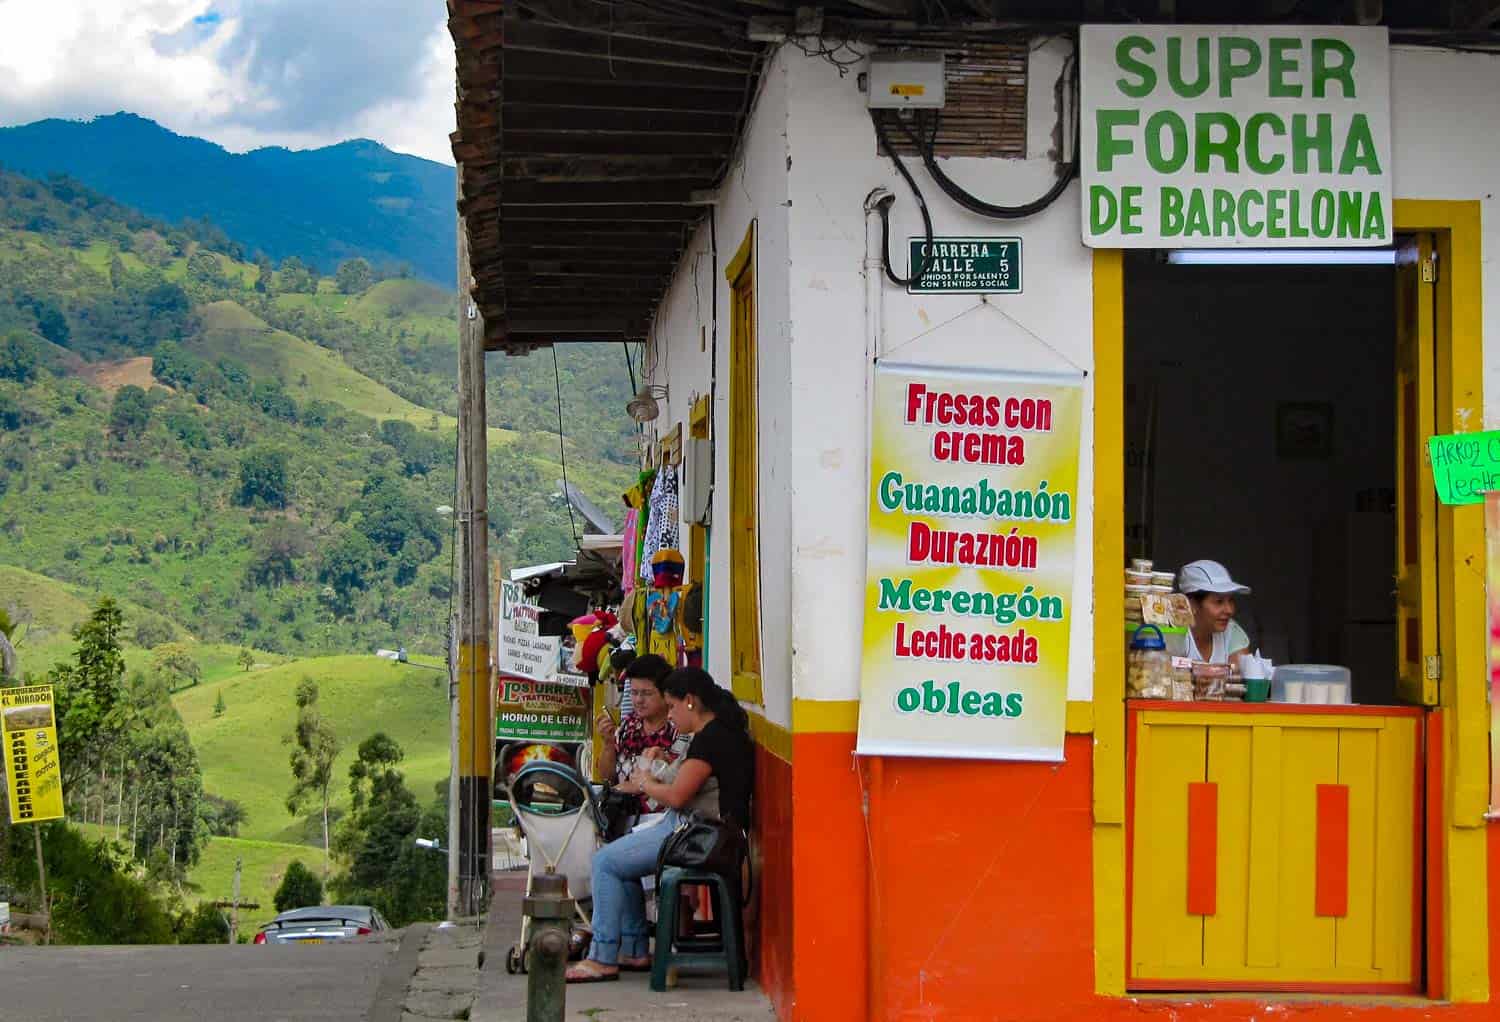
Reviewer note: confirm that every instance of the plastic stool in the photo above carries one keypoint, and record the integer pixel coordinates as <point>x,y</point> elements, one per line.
<point>673,951</point>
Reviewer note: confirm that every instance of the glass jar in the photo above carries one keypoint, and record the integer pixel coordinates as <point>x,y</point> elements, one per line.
<point>1148,673</point>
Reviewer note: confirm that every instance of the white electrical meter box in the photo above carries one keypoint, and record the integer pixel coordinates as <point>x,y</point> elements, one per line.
<point>697,468</point>
<point>906,79</point>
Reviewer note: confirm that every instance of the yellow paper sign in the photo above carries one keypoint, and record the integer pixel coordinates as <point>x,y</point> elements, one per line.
<point>33,768</point>
<point>969,565</point>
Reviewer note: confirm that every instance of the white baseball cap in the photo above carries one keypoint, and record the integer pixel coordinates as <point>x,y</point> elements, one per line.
<point>1208,577</point>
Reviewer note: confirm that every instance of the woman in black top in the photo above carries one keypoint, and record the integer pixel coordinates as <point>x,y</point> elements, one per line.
<point>715,778</point>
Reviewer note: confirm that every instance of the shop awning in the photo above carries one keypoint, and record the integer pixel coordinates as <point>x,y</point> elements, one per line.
<point>590,131</point>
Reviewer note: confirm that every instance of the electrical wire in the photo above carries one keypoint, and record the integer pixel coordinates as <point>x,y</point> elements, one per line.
<point>995,211</point>
<point>883,207</point>
<point>562,448</point>
<point>831,53</point>
<point>629,366</point>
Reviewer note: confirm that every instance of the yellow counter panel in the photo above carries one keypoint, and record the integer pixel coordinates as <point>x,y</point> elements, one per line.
<point>1274,847</point>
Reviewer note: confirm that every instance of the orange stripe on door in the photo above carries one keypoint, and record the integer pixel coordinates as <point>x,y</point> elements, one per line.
<point>1203,849</point>
<point>1331,896</point>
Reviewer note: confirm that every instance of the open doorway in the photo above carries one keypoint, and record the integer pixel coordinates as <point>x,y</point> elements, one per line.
<point>1260,417</point>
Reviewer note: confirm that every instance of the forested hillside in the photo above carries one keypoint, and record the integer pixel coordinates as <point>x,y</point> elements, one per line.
<point>261,456</point>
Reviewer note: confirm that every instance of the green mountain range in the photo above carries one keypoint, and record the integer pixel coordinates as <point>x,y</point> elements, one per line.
<point>325,205</point>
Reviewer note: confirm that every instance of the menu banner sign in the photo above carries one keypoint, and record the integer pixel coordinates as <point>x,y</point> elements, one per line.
<point>540,711</point>
<point>969,565</point>
<point>1199,136</point>
<point>33,768</point>
<point>524,651</point>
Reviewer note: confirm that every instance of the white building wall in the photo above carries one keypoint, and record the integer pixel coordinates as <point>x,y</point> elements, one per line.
<point>680,355</point>
<point>808,161</point>
<point>1445,128</point>
<point>1047,327</point>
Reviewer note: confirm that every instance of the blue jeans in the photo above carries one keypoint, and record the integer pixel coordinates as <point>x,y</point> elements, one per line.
<point>620,926</point>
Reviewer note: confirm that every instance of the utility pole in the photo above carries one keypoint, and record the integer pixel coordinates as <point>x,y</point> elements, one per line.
<point>234,918</point>
<point>452,901</point>
<point>476,731</point>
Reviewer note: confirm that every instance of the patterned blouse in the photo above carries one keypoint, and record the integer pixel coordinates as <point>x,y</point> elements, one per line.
<point>631,741</point>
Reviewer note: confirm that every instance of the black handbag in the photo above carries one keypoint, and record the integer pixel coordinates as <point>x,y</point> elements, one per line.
<point>619,811</point>
<point>703,843</point>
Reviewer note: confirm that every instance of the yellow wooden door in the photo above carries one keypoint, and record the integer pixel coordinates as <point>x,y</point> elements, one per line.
<point>1419,666</point>
<point>1274,851</point>
<point>744,477</point>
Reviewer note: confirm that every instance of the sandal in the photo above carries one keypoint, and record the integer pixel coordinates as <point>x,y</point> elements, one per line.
<point>635,964</point>
<point>588,971</point>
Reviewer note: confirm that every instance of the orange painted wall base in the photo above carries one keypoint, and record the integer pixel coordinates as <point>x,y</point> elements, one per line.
<point>969,896</point>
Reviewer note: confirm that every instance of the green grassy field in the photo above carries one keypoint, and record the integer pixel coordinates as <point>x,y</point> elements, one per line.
<point>50,609</point>
<point>243,756</point>
<point>264,863</point>
<point>309,372</point>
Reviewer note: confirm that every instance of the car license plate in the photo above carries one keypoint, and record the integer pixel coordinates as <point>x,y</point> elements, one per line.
<point>312,940</point>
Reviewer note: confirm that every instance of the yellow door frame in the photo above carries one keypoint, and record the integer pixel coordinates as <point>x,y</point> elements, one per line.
<point>744,475</point>
<point>1460,575</point>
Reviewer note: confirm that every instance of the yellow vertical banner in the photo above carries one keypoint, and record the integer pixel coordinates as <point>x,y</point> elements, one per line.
<point>33,767</point>
<point>969,563</point>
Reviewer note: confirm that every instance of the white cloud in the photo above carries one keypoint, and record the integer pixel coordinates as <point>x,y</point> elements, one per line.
<point>243,73</point>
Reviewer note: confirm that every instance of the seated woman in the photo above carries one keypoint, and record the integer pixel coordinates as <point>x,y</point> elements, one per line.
<point>643,728</point>
<point>714,779</point>
<point>1215,638</point>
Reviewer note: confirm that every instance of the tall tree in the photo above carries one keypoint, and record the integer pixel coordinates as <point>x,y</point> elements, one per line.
<point>129,414</point>
<point>91,708</point>
<point>354,277</point>
<point>315,746</point>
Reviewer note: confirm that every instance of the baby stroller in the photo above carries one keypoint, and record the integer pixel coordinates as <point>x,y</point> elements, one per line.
<point>563,827</point>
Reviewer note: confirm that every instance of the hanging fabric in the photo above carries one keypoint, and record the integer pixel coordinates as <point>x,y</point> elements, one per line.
<point>661,525</point>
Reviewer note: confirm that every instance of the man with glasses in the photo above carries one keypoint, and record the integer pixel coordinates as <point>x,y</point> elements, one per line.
<point>645,727</point>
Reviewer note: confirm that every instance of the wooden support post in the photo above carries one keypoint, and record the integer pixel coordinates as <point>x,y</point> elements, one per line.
<point>41,872</point>
<point>476,735</point>
<point>234,917</point>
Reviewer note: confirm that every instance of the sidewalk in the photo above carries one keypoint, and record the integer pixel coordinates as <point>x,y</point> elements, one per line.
<point>697,998</point>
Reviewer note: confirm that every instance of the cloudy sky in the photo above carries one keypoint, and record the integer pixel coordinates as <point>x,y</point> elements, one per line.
<point>243,73</point>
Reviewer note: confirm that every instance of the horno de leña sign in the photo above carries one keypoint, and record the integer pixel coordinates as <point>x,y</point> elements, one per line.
<point>1222,136</point>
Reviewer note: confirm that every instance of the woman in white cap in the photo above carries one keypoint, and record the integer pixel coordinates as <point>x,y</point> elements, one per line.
<point>1215,638</point>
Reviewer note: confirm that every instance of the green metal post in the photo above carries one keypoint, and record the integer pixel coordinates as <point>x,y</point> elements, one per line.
<point>551,913</point>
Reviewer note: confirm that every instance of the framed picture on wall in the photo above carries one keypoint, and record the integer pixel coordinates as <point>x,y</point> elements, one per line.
<point>1304,430</point>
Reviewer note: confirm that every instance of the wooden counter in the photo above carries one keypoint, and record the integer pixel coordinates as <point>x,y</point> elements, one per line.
<point>1274,846</point>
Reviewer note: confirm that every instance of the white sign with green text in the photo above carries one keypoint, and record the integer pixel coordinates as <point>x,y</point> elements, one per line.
<point>1214,137</point>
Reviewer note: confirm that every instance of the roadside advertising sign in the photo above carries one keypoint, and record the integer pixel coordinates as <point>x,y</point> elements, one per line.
<point>33,768</point>
<point>1197,136</point>
<point>969,565</point>
<point>541,711</point>
<point>524,651</point>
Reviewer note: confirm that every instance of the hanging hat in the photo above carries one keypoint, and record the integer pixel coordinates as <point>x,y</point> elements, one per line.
<point>667,565</point>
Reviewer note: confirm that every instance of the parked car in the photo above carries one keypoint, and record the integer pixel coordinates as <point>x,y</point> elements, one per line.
<point>321,924</point>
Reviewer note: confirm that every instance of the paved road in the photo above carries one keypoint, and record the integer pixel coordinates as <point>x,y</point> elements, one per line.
<point>327,983</point>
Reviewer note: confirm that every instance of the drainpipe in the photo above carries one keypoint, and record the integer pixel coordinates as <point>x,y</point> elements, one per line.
<point>874,266</point>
